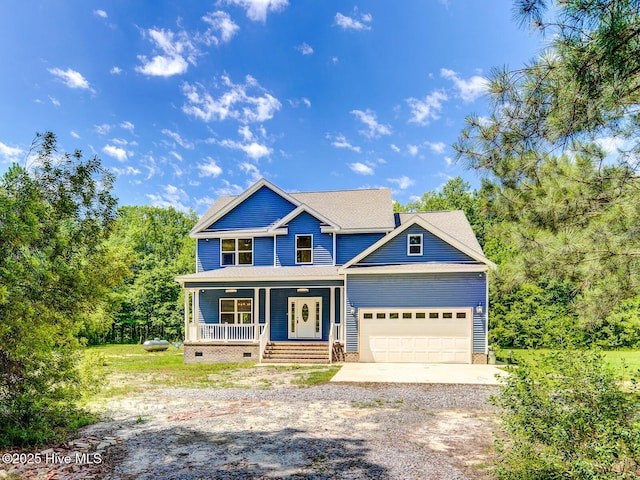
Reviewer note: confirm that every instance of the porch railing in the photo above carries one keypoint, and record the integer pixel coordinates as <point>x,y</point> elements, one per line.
<point>227,332</point>
<point>264,339</point>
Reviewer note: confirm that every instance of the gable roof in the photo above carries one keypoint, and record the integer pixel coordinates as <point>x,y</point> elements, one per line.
<point>370,209</point>
<point>450,226</point>
<point>303,208</point>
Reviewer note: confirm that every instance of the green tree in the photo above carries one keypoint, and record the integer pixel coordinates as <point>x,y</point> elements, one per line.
<point>567,200</point>
<point>159,249</point>
<point>55,273</point>
<point>565,415</point>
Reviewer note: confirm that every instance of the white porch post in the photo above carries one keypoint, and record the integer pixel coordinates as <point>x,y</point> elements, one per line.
<point>267,308</point>
<point>187,293</point>
<point>332,306</point>
<point>256,313</point>
<point>343,320</point>
<point>196,313</point>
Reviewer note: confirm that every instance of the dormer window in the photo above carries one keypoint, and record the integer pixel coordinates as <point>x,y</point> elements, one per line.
<point>304,249</point>
<point>236,251</point>
<point>414,244</point>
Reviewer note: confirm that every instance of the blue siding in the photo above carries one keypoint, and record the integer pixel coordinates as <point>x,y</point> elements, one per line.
<point>304,224</point>
<point>208,254</point>
<point>348,246</point>
<point>351,324</point>
<point>280,313</point>
<point>209,303</point>
<point>261,209</point>
<point>433,250</point>
<point>457,290</point>
<point>263,251</point>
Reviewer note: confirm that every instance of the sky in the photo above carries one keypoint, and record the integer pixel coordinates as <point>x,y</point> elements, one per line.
<point>188,100</point>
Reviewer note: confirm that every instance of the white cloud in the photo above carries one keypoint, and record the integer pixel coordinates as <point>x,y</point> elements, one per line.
<point>359,21</point>
<point>229,189</point>
<point>429,109</point>
<point>210,168</point>
<point>395,148</point>
<point>103,129</point>
<point>236,102</point>
<point>340,141</point>
<point>220,22</point>
<point>245,133</point>
<point>176,155</point>
<point>611,145</point>
<point>119,154</point>
<point>54,101</point>
<point>10,154</point>
<point>438,147</point>
<point>257,9</point>
<point>74,134</point>
<point>171,196</point>
<point>71,78</point>
<point>449,161</point>
<point>305,49</point>
<point>115,71</point>
<point>412,149</point>
<point>469,89</point>
<point>129,170</point>
<point>178,139</point>
<point>375,129</point>
<point>127,126</point>
<point>254,150</point>
<point>100,13</point>
<point>403,182</point>
<point>361,168</point>
<point>251,170</point>
<point>306,101</point>
<point>178,52</point>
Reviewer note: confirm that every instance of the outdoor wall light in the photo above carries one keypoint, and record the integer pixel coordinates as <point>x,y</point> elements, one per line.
<point>303,290</point>
<point>230,290</point>
<point>479,308</point>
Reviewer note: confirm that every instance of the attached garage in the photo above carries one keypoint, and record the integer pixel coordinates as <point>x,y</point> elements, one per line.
<point>441,335</point>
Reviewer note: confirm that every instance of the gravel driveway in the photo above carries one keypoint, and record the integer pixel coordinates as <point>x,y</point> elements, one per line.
<point>331,431</point>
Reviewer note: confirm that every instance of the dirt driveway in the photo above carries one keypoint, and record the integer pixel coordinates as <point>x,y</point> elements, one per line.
<point>276,429</point>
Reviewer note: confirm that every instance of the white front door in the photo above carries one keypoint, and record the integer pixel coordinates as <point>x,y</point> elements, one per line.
<point>305,317</point>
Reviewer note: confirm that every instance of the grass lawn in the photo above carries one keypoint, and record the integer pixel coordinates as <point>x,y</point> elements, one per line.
<point>618,359</point>
<point>130,369</point>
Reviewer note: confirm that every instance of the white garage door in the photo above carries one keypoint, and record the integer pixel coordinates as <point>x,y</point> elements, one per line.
<point>415,336</point>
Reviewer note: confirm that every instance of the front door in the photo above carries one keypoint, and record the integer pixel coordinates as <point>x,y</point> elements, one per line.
<point>305,317</point>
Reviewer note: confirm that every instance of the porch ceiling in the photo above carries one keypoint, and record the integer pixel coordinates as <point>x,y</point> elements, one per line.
<point>263,274</point>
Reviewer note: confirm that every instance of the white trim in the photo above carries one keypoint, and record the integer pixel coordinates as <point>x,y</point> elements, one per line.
<point>428,268</point>
<point>349,231</point>
<point>304,208</point>
<point>334,254</point>
<point>260,232</point>
<point>207,221</point>
<point>416,220</point>
<point>409,245</point>
<point>303,249</point>
<point>237,252</point>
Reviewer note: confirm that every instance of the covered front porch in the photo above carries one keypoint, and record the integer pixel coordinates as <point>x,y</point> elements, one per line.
<point>243,319</point>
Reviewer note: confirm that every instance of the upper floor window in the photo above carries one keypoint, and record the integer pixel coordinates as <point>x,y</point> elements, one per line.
<point>304,248</point>
<point>414,244</point>
<point>236,251</point>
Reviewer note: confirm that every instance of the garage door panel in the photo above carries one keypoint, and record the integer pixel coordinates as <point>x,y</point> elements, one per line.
<point>416,340</point>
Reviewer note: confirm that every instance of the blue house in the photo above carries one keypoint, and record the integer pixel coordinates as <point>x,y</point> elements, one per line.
<point>334,275</point>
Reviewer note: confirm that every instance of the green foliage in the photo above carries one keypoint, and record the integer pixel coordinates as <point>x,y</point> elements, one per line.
<point>156,243</point>
<point>565,415</point>
<point>55,274</point>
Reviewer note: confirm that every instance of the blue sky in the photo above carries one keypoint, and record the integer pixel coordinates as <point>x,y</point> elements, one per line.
<point>186,101</point>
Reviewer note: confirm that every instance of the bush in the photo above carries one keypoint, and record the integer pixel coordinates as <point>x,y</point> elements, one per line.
<point>565,416</point>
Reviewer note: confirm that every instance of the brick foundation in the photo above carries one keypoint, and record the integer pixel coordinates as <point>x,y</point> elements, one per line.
<point>221,352</point>
<point>479,358</point>
<point>351,357</point>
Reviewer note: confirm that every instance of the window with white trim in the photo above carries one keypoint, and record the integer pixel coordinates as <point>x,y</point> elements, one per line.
<point>304,248</point>
<point>236,251</point>
<point>236,311</point>
<point>414,244</point>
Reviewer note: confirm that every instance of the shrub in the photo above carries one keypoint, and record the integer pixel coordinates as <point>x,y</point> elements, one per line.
<point>566,416</point>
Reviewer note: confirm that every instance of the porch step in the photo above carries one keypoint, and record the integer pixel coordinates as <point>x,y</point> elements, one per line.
<point>299,352</point>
